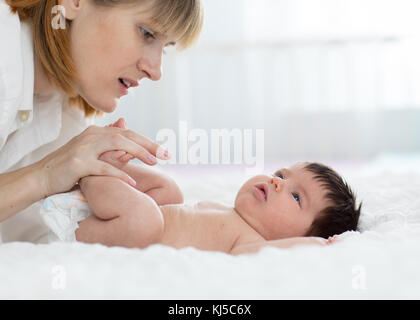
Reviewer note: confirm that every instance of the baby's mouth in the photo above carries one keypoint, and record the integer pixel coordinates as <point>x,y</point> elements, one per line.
<point>261,191</point>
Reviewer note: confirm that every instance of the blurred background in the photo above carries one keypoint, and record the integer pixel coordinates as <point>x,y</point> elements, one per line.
<point>334,80</point>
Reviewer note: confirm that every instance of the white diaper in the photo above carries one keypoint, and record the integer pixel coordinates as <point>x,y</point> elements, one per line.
<point>62,212</point>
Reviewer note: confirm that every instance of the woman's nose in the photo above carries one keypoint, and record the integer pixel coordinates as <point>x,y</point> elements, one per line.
<point>152,66</point>
<point>277,182</point>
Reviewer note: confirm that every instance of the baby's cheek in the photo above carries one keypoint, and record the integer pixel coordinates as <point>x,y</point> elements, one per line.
<point>279,223</point>
<point>243,202</point>
<point>294,226</point>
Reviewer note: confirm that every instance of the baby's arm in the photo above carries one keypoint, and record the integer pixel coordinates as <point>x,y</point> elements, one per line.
<point>283,243</point>
<point>123,216</point>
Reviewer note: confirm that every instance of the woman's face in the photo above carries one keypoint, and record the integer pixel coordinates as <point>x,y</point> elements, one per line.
<point>113,48</point>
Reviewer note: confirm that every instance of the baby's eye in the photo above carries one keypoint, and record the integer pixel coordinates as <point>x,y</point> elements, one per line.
<point>296,197</point>
<point>278,174</point>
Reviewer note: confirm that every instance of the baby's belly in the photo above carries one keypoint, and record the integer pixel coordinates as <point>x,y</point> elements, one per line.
<point>187,226</point>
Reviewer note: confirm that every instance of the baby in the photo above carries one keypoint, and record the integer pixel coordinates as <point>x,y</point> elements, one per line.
<point>307,203</point>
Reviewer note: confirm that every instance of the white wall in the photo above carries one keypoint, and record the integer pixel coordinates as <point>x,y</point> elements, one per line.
<point>323,78</point>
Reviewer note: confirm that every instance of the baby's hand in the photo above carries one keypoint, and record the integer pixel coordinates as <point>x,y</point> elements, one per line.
<point>315,240</point>
<point>320,241</point>
<point>117,158</point>
<point>333,239</point>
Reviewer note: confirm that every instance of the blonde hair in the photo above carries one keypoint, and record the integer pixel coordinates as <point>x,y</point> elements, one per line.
<point>182,18</point>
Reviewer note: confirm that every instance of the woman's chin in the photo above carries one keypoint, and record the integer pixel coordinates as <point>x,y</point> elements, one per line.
<point>110,107</point>
<point>104,105</point>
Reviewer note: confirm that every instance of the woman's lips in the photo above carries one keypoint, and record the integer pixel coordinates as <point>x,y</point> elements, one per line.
<point>261,191</point>
<point>123,88</point>
<point>127,83</point>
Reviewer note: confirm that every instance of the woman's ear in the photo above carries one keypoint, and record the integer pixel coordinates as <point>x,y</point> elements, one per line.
<point>72,8</point>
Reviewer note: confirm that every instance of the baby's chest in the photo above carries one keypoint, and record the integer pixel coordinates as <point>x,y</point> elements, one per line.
<point>202,228</point>
<point>212,231</point>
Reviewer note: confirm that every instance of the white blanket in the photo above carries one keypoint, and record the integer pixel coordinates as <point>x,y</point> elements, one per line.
<point>380,261</point>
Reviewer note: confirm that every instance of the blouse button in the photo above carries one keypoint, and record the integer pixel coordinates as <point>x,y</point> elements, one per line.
<point>23,116</point>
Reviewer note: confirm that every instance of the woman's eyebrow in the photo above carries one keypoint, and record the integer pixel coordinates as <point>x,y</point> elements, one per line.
<point>152,28</point>
<point>158,33</point>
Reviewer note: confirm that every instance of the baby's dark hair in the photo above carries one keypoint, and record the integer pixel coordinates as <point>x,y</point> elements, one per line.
<point>341,214</point>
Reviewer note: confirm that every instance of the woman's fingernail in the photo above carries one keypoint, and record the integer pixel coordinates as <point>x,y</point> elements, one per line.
<point>167,154</point>
<point>152,158</point>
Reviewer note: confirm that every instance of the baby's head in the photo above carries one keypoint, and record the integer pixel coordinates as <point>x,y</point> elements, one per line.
<point>308,199</point>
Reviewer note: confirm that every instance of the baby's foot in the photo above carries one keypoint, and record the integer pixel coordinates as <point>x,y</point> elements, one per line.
<point>120,123</point>
<point>115,157</point>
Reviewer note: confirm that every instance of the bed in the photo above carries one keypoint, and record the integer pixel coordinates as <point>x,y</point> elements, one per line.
<point>381,261</point>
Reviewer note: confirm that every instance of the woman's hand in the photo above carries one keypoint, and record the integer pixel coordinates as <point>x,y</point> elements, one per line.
<point>62,169</point>
<point>116,157</point>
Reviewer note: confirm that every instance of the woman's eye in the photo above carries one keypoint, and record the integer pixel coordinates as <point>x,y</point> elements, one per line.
<point>147,34</point>
<point>296,197</point>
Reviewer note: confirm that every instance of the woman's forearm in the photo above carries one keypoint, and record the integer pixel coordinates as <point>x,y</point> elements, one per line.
<point>19,189</point>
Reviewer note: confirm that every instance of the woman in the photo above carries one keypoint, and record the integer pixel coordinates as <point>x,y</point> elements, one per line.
<point>65,62</point>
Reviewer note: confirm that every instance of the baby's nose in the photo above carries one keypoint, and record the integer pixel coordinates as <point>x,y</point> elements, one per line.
<point>277,182</point>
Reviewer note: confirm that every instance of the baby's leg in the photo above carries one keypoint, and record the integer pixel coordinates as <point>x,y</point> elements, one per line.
<point>160,187</point>
<point>123,216</point>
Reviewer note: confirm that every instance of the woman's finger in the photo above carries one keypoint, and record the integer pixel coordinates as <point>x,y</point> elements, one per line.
<point>105,169</point>
<point>120,142</point>
<point>152,147</point>
<point>141,143</point>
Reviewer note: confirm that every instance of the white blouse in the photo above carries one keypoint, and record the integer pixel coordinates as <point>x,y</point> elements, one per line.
<point>31,127</point>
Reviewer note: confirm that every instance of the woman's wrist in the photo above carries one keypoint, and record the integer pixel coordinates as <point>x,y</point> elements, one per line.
<point>20,189</point>
<point>37,179</point>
